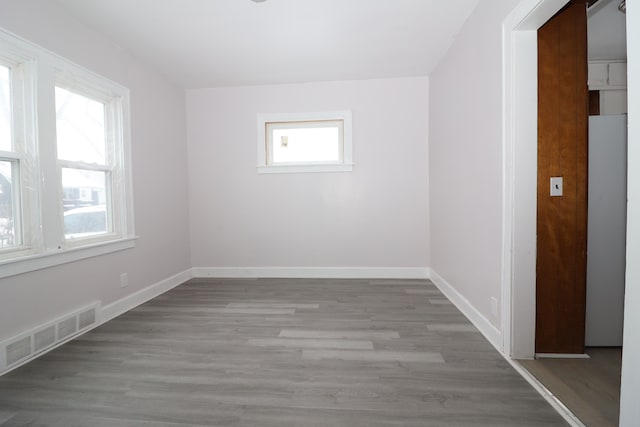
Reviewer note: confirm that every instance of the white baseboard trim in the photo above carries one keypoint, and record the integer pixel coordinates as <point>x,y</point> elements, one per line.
<point>487,329</point>
<point>313,272</point>
<point>135,299</point>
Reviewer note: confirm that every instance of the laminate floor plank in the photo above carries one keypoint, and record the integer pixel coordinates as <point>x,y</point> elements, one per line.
<point>451,327</point>
<point>278,352</point>
<point>422,291</point>
<point>353,334</point>
<point>376,356</point>
<point>273,305</point>
<point>311,343</point>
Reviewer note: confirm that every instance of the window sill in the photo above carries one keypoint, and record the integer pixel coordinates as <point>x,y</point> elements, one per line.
<point>305,168</point>
<point>25,264</point>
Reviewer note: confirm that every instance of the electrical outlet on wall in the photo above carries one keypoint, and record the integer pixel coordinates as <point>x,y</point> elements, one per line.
<point>494,306</point>
<point>124,280</point>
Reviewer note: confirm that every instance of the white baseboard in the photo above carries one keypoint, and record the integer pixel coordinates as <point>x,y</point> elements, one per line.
<point>313,272</point>
<point>133,300</point>
<point>487,329</point>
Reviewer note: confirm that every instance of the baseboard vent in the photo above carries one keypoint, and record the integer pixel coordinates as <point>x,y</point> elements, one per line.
<point>18,350</point>
<point>67,327</point>
<point>27,345</point>
<point>86,318</point>
<point>44,338</point>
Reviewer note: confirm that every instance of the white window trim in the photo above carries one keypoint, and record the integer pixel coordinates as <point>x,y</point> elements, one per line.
<point>44,245</point>
<point>345,165</point>
<point>39,261</point>
<point>116,100</point>
<point>22,61</point>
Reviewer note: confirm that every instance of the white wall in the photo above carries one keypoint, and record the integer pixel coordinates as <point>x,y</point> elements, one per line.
<point>375,216</point>
<point>467,85</point>
<point>465,160</point>
<point>158,145</point>
<point>606,230</point>
<point>629,408</point>
<point>606,31</point>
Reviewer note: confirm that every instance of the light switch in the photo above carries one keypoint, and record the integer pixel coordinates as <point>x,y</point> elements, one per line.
<point>556,186</point>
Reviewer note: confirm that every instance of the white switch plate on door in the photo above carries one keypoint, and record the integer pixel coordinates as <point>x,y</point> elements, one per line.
<point>556,186</point>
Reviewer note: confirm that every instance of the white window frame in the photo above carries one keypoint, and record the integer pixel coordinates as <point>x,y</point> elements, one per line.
<point>112,98</point>
<point>344,164</point>
<point>24,177</point>
<point>44,244</point>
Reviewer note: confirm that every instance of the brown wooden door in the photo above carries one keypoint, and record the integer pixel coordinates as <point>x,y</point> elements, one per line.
<point>562,152</point>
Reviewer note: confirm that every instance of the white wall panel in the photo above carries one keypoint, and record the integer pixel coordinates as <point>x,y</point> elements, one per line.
<point>629,408</point>
<point>465,160</point>
<point>374,216</point>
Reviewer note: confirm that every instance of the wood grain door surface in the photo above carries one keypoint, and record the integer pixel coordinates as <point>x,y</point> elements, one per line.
<point>562,152</point>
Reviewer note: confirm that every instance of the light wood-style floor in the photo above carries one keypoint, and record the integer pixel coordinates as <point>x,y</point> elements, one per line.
<point>590,388</point>
<point>274,352</point>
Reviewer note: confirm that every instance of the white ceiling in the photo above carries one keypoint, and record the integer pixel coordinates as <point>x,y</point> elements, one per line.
<point>211,43</point>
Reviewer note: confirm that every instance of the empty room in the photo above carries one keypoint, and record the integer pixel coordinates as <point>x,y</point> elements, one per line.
<point>311,213</point>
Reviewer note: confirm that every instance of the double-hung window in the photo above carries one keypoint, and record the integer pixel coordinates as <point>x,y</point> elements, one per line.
<point>65,188</point>
<point>10,234</point>
<point>87,141</point>
<point>14,163</point>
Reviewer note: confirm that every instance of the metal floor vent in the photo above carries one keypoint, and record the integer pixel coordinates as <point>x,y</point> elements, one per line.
<point>44,338</point>
<point>18,350</point>
<point>30,344</point>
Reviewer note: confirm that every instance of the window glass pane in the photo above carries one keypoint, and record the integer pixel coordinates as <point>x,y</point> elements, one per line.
<point>85,200</point>
<point>305,144</point>
<point>8,226</point>
<point>5,109</point>
<point>80,127</point>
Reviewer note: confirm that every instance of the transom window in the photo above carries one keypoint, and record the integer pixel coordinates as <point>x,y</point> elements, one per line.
<point>310,142</point>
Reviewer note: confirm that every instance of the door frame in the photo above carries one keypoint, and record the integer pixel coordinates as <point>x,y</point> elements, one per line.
<point>518,277</point>
<point>520,145</point>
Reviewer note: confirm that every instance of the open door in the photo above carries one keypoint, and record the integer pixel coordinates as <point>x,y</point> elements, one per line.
<point>562,155</point>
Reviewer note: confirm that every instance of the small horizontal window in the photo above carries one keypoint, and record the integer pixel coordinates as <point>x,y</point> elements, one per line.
<point>310,142</point>
<point>305,142</point>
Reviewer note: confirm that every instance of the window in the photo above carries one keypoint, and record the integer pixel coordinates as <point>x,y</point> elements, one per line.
<point>9,217</point>
<point>86,172</point>
<point>8,235</point>
<point>64,156</point>
<point>308,142</point>
<point>5,108</point>
<point>12,159</point>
